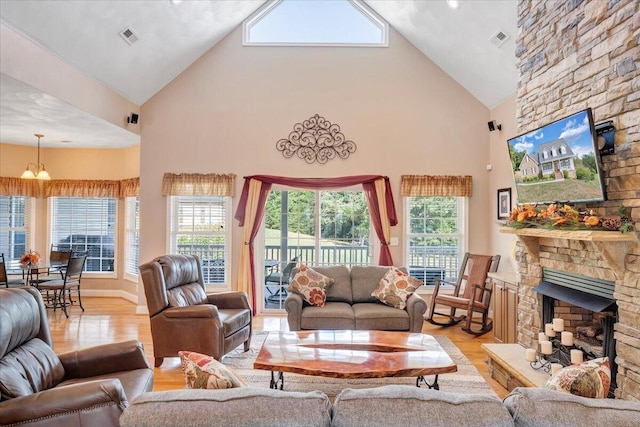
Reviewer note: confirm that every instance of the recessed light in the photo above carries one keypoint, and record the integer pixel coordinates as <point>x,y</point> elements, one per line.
<point>453,4</point>
<point>66,141</point>
<point>175,1</point>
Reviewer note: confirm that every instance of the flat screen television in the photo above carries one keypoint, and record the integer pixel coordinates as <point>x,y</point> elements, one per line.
<point>558,162</point>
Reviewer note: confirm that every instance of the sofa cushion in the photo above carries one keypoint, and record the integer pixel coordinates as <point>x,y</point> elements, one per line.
<point>364,279</point>
<point>238,407</point>
<point>334,315</point>
<point>412,406</point>
<point>185,295</point>
<point>395,288</point>
<point>202,371</point>
<point>30,368</point>
<point>372,315</point>
<point>588,379</point>
<point>340,290</point>
<point>310,285</point>
<point>533,407</point>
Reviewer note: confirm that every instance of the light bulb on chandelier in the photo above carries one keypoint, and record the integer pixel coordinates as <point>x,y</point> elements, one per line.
<point>36,170</point>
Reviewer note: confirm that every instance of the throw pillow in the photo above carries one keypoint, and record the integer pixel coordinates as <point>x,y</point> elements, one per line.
<point>588,379</point>
<point>395,288</point>
<point>202,371</point>
<point>310,285</point>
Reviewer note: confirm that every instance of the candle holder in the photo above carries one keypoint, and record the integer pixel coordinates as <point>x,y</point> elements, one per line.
<point>560,354</point>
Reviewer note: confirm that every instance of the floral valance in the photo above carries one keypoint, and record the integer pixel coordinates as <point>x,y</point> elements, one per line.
<point>69,187</point>
<point>198,184</point>
<point>436,185</point>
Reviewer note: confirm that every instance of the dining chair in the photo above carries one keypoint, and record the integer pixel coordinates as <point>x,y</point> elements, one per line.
<point>4,277</point>
<point>280,279</point>
<point>63,288</point>
<point>58,260</point>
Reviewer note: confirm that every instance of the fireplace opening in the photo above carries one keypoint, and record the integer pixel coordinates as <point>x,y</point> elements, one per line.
<point>588,309</point>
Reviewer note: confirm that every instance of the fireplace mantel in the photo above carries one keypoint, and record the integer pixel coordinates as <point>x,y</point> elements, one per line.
<point>611,245</point>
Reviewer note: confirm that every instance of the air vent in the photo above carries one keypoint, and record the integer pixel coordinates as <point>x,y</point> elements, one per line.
<point>129,35</point>
<point>499,38</point>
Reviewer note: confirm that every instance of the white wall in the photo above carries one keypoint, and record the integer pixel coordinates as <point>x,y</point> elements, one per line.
<point>225,113</point>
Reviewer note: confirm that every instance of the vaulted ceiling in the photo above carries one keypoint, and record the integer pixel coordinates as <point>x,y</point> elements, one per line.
<point>173,34</point>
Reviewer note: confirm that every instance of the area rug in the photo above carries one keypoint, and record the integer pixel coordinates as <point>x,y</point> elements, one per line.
<point>466,380</point>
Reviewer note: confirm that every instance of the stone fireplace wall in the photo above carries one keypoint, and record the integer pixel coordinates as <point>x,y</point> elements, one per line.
<point>572,55</point>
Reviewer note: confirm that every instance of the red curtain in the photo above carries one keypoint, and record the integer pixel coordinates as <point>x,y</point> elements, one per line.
<point>368,184</point>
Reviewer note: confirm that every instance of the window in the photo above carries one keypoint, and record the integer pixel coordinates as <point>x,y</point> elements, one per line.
<point>200,226</point>
<point>547,167</point>
<point>553,151</point>
<point>318,227</point>
<point>313,22</point>
<point>565,164</point>
<point>14,227</point>
<point>132,235</point>
<point>85,225</point>
<point>563,149</point>
<point>545,154</point>
<point>435,236</point>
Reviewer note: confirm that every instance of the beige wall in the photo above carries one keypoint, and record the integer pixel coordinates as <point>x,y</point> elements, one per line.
<point>63,163</point>
<point>225,113</point>
<point>501,177</point>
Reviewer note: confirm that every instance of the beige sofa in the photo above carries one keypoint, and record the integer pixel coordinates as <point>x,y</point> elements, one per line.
<point>385,406</point>
<point>350,304</point>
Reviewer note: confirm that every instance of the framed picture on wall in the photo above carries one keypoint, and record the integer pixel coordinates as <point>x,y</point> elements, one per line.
<point>504,203</point>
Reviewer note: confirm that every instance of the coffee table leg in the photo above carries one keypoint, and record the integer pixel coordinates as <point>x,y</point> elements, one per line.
<point>434,385</point>
<point>276,380</point>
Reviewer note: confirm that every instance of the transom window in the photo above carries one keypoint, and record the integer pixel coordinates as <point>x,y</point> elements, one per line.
<point>14,227</point>
<point>199,226</point>
<point>132,235</point>
<point>85,225</point>
<point>435,236</point>
<point>315,22</point>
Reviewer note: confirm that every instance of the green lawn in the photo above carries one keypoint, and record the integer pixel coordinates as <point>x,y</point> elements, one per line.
<point>558,191</point>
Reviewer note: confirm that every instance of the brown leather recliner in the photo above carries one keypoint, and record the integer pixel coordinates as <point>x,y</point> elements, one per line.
<point>184,317</point>
<point>83,387</point>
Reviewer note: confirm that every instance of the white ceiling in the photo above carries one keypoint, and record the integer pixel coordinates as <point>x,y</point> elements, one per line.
<point>172,36</point>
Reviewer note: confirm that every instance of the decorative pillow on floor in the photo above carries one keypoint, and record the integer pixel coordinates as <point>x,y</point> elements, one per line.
<point>588,379</point>
<point>202,371</point>
<point>311,285</point>
<point>395,288</point>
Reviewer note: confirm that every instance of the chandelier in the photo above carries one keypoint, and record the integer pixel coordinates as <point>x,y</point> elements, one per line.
<point>36,170</point>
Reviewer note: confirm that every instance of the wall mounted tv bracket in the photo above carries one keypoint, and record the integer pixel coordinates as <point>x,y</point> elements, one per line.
<point>605,132</point>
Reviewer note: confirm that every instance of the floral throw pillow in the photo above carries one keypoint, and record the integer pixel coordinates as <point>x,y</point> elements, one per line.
<point>588,379</point>
<point>202,371</point>
<point>310,285</point>
<point>395,288</point>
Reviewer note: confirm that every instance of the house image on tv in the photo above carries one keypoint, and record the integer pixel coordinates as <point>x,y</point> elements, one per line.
<point>552,158</point>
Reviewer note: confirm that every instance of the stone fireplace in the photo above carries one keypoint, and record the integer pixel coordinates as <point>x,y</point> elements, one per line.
<point>572,55</point>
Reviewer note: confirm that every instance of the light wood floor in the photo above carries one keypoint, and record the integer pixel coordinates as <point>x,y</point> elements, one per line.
<point>109,320</point>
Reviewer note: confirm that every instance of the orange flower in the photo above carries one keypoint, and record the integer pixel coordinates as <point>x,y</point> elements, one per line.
<point>591,221</point>
<point>560,221</point>
<point>522,216</point>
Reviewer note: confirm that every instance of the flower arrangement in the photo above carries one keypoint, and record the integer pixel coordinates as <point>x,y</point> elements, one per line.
<point>566,217</point>
<point>30,258</point>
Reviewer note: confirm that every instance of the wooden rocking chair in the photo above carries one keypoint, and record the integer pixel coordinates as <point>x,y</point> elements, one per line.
<point>471,293</point>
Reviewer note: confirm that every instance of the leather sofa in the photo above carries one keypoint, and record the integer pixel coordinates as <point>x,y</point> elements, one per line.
<point>91,386</point>
<point>184,317</point>
<point>349,304</point>
<point>385,406</point>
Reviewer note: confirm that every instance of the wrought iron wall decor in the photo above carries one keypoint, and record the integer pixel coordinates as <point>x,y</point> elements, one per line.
<point>316,140</point>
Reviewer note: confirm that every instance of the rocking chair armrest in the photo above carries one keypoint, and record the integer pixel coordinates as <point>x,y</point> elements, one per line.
<point>483,288</point>
<point>438,283</point>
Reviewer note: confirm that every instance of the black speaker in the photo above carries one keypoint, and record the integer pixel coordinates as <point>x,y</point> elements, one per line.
<point>493,125</point>
<point>133,118</point>
<point>606,137</point>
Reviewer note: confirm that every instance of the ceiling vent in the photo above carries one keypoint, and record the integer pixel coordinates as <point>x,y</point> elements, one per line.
<point>129,35</point>
<point>499,38</point>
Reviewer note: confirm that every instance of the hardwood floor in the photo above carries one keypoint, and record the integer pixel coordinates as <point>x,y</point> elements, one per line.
<point>109,320</point>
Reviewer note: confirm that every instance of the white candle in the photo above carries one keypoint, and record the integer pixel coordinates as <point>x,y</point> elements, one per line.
<point>555,367</point>
<point>558,324</point>
<point>566,338</point>
<point>542,337</point>
<point>530,355</point>
<point>546,347</point>
<point>548,330</point>
<point>576,356</point>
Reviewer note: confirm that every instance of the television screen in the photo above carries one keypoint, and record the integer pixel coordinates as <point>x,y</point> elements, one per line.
<point>559,162</point>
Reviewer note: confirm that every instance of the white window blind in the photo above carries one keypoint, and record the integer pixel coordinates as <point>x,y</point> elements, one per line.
<point>85,225</point>
<point>15,227</point>
<point>200,225</point>
<point>435,237</point>
<point>132,235</point>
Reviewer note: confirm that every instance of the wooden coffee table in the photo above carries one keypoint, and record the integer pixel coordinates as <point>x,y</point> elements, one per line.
<point>353,354</point>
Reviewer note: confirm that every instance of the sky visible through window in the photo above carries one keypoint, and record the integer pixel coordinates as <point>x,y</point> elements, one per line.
<point>316,21</point>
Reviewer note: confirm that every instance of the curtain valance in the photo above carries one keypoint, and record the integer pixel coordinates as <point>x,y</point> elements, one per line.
<point>69,187</point>
<point>436,185</point>
<point>19,187</point>
<point>198,184</point>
